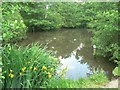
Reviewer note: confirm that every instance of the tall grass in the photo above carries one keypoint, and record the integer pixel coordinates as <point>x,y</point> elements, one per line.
<point>94,81</point>
<point>27,67</point>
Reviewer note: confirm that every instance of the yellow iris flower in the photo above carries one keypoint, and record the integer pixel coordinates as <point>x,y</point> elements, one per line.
<point>11,71</point>
<point>31,67</point>
<point>11,75</point>
<point>49,76</point>
<point>23,69</point>
<point>44,67</point>
<point>34,69</point>
<point>21,73</point>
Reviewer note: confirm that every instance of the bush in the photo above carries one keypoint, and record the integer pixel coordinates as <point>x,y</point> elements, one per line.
<point>105,30</point>
<point>13,26</point>
<point>27,67</point>
<point>37,17</point>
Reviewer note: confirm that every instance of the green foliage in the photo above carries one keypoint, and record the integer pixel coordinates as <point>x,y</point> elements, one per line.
<point>95,80</point>
<point>115,72</point>
<point>13,26</point>
<point>105,33</point>
<point>37,17</point>
<point>75,15</point>
<point>27,67</point>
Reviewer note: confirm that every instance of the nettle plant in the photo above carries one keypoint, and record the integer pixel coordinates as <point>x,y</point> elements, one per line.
<point>27,67</point>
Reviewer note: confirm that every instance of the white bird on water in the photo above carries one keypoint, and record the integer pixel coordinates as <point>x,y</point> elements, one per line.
<point>74,39</point>
<point>54,38</point>
<point>52,47</point>
<point>94,49</point>
<point>94,46</point>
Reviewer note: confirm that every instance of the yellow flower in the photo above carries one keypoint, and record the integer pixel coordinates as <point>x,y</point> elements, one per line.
<point>11,75</point>
<point>34,69</point>
<point>11,71</point>
<point>49,76</point>
<point>55,58</point>
<point>49,73</point>
<point>44,67</point>
<point>21,73</point>
<point>23,69</point>
<point>52,69</point>
<point>31,67</point>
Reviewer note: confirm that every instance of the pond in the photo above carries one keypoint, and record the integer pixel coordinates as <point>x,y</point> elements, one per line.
<point>74,49</point>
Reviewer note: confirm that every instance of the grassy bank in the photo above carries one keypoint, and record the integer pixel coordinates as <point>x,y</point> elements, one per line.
<point>93,81</point>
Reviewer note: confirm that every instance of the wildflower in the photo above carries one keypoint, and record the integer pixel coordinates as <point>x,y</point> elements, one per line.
<point>52,69</point>
<point>11,71</point>
<point>49,76</point>
<point>31,67</point>
<point>44,67</point>
<point>21,73</point>
<point>11,75</point>
<point>55,58</point>
<point>34,69</point>
<point>48,73</point>
<point>23,69</point>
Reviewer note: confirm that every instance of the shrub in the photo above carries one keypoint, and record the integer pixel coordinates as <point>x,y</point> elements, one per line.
<point>37,17</point>
<point>27,67</point>
<point>13,26</point>
<point>105,30</point>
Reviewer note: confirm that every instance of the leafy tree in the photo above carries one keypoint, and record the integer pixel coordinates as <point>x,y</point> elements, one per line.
<point>105,33</point>
<point>13,26</point>
<point>39,16</point>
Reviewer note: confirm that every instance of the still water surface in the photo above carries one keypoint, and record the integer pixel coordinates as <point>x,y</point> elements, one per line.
<point>74,50</point>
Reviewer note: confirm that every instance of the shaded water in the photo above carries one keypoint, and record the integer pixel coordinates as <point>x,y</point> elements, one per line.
<point>74,50</point>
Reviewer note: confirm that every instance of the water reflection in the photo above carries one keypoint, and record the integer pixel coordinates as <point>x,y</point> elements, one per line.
<point>74,50</point>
